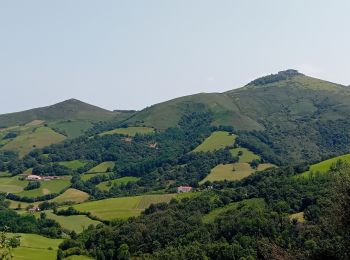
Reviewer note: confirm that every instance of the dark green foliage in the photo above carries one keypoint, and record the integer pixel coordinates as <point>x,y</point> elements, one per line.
<point>33,185</point>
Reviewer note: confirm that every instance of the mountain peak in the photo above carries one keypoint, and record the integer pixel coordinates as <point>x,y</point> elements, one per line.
<point>281,75</point>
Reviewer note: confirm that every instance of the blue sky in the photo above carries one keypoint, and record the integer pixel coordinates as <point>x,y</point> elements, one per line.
<point>131,54</point>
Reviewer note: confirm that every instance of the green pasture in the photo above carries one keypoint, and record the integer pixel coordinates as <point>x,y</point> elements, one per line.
<point>102,167</point>
<point>106,185</point>
<point>75,223</point>
<point>71,194</point>
<point>212,215</point>
<point>72,129</point>
<point>48,187</point>
<point>121,208</point>
<point>247,155</point>
<point>217,140</point>
<point>12,184</point>
<point>74,165</point>
<point>325,166</point>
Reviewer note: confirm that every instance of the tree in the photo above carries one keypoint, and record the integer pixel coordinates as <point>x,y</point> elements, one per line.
<point>123,252</point>
<point>6,245</point>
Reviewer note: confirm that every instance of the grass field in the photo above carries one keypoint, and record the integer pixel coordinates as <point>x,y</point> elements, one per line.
<point>233,172</point>
<point>74,165</point>
<point>48,187</point>
<point>247,156</point>
<point>211,216</point>
<point>325,166</point>
<point>124,180</point>
<point>216,141</point>
<point>36,247</point>
<point>88,176</point>
<point>12,184</point>
<point>71,194</point>
<point>130,131</point>
<point>76,222</point>
<point>73,129</point>
<point>102,167</point>
<point>122,208</point>
<point>38,138</point>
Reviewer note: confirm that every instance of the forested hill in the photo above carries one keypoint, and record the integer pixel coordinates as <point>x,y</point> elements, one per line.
<point>288,116</point>
<point>71,109</point>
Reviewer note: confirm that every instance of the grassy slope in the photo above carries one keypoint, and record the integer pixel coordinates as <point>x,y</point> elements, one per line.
<point>77,222</point>
<point>130,131</point>
<point>88,176</point>
<point>121,208</point>
<point>67,110</point>
<point>73,129</point>
<point>72,195</point>
<point>216,141</point>
<point>47,187</point>
<point>41,137</point>
<point>12,184</point>
<point>124,180</point>
<point>102,167</point>
<point>325,166</point>
<point>36,247</point>
<point>210,217</point>
<point>247,155</point>
<point>232,172</point>
<point>74,165</point>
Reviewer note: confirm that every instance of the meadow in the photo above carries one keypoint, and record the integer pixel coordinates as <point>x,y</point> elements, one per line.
<point>75,223</point>
<point>12,184</point>
<point>72,129</point>
<point>88,176</point>
<point>71,194</point>
<point>212,215</point>
<point>36,247</point>
<point>325,166</point>
<point>247,155</point>
<point>102,167</point>
<point>233,172</point>
<point>106,185</point>
<point>217,140</point>
<point>35,138</point>
<point>130,131</point>
<point>47,187</point>
<point>121,208</point>
<point>74,165</point>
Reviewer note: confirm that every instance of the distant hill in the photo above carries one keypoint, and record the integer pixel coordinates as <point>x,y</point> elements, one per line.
<point>299,117</point>
<point>71,109</point>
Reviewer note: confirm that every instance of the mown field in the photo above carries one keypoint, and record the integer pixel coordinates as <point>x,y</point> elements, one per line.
<point>88,176</point>
<point>36,247</point>
<point>33,138</point>
<point>324,166</point>
<point>72,129</point>
<point>71,194</point>
<point>106,185</point>
<point>233,172</point>
<point>121,208</point>
<point>12,184</point>
<point>74,165</point>
<point>47,187</point>
<point>247,155</point>
<point>130,131</point>
<point>217,140</point>
<point>102,167</point>
<point>75,223</point>
<point>256,203</point>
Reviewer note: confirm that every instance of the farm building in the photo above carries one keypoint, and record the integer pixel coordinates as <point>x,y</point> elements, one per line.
<point>34,209</point>
<point>154,146</point>
<point>184,189</point>
<point>33,178</point>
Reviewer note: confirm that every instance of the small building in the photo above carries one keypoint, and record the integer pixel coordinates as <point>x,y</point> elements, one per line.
<point>127,140</point>
<point>182,189</point>
<point>48,178</point>
<point>33,177</point>
<point>34,209</point>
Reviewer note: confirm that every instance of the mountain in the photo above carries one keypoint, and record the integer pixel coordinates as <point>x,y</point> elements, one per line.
<point>71,109</point>
<point>299,118</point>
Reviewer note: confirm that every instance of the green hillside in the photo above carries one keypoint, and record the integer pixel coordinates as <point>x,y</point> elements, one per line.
<point>71,109</point>
<point>298,118</point>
